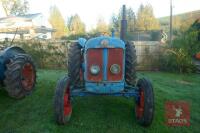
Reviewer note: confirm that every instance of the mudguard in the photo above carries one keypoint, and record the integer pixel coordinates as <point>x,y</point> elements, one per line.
<point>5,55</point>
<point>82,42</point>
<point>12,50</point>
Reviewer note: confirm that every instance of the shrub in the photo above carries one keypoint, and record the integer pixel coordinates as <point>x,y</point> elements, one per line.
<point>177,60</point>
<point>178,57</point>
<point>45,54</point>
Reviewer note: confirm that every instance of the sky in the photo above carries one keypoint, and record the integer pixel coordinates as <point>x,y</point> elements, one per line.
<point>91,10</point>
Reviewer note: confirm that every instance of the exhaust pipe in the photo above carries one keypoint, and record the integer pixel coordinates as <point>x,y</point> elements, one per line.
<point>123,30</point>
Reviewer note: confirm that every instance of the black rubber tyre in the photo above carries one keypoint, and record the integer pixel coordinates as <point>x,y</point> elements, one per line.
<point>144,109</point>
<point>60,101</point>
<point>20,76</point>
<point>74,63</point>
<point>1,83</point>
<point>130,64</point>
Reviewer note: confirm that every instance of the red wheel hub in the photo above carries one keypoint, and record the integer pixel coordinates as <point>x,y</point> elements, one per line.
<point>28,76</point>
<point>198,56</point>
<point>67,103</point>
<point>140,105</point>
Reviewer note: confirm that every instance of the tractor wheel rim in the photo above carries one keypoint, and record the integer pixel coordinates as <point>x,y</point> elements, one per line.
<point>28,76</point>
<point>198,56</point>
<point>140,105</point>
<point>67,103</point>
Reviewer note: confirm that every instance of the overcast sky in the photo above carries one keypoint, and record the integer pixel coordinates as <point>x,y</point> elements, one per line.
<point>91,10</point>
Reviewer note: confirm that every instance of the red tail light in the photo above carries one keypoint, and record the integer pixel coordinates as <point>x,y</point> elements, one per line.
<point>115,56</point>
<point>95,57</point>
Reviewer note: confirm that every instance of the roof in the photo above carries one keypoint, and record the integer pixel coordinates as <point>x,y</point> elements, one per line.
<point>26,30</point>
<point>22,24</point>
<point>20,17</point>
<point>29,16</point>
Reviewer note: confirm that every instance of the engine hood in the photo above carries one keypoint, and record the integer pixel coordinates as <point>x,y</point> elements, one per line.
<point>102,42</point>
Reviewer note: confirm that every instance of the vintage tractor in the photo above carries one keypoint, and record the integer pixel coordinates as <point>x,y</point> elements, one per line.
<point>196,61</point>
<point>17,72</point>
<point>104,66</point>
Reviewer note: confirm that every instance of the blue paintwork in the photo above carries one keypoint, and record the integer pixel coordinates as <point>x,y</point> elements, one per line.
<point>11,51</point>
<point>2,68</point>
<point>129,93</point>
<point>82,42</point>
<point>113,33</point>
<point>96,43</point>
<point>104,87</point>
<point>5,55</point>
<point>105,63</point>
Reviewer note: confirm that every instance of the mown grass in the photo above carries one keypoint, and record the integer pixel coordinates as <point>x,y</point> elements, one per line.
<point>101,114</point>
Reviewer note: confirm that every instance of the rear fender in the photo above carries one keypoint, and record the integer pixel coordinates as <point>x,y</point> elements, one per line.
<point>5,57</point>
<point>14,50</point>
<point>82,41</point>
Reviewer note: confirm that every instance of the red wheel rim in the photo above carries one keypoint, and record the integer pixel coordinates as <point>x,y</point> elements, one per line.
<point>140,105</point>
<point>28,76</point>
<point>198,56</point>
<point>67,104</point>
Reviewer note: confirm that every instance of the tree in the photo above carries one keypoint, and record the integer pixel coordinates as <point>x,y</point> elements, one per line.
<point>15,7</point>
<point>102,27</point>
<point>131,20</point>
<point>146,19</point>
<point>115,22</point>
<point>57,22</point>
<point>75,25</point>
<point>130,15</point>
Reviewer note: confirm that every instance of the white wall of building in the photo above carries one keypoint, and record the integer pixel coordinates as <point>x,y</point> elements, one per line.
<point>37,21</point>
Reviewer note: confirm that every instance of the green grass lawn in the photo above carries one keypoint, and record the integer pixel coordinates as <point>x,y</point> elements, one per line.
<point>101,114</point>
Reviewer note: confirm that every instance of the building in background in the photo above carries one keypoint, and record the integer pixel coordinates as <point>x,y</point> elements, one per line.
<point>30,26</point>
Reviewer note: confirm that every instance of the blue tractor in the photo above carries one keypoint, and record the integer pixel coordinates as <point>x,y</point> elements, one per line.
<point>17,72</point>
<point>104,66</point>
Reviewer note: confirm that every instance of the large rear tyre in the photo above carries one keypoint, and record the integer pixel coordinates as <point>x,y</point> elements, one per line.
<point>20,76</point>
<point>144,109</point>
<point>74,63</point>
<point>130,64</point>
<point>62,102</point>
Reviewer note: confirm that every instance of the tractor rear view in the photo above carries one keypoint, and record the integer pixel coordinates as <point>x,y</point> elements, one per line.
<point>17,72</point>
<point>104,66</point>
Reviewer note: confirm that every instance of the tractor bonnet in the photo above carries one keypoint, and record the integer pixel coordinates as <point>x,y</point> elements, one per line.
<point>102,42</point>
